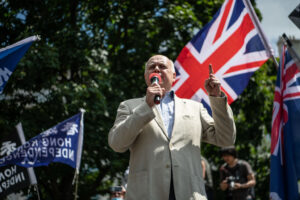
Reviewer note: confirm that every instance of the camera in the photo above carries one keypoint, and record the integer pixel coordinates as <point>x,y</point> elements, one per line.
<point>230,181</point>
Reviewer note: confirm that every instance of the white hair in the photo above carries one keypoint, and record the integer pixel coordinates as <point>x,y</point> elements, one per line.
<point>168,60</point>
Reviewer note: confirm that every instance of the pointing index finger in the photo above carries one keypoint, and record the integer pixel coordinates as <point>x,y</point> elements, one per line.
<point>210,69</point>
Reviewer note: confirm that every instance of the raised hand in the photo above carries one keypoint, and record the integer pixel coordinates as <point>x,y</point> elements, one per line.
<point>212,84</point>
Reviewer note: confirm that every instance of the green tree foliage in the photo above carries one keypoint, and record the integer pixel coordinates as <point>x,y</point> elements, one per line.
<point>91,55</point>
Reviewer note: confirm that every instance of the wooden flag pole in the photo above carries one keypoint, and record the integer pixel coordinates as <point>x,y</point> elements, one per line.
<point>36,188</point>
<point>76,186</point>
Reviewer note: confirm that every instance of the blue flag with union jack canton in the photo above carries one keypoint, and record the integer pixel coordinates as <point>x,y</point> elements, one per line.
<point>230,42</point>
<point>285,142</point>
<point>10,56</point>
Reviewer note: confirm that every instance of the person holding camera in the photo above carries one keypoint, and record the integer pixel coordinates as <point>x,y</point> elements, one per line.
<point>237,177</point>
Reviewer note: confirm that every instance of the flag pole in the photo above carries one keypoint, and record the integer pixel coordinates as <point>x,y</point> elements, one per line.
<point>36,188</point>
<point>261,33</point>
<point>32,177</point>
<point>291,50</point>
<point>76,185</point>
<point>79,152</point>
<point>26,40</point>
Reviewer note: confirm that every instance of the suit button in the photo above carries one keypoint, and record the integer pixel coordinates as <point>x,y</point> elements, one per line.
<point>167,166</point>
<point>171,146</point>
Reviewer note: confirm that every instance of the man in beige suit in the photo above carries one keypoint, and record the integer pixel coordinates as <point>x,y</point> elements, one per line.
<point>164,139</point>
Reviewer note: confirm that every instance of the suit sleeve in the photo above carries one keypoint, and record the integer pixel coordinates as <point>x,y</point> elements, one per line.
<point>220,128</point>
<point>128,124</point>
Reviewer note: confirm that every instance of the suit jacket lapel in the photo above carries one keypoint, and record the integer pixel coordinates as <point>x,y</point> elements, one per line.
<point>160,122</point>
<point>158,119</point>
<point>178,106</point>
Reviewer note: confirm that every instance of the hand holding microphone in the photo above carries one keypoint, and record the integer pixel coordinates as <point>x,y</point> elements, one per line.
<point>154,91</point>
<point>155,78</point>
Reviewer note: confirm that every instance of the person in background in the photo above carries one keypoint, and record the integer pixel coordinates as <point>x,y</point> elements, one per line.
<point>237,177</point>
<point>117,193</point>
<point>207,176</point>
<point>164,138</point>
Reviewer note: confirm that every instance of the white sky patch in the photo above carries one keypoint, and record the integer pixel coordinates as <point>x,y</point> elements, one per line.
<point>275,20</point>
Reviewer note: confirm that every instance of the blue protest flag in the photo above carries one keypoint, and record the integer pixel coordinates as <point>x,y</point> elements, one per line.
<point>61,143</point>
<point>10,56</point>
<point>285,142</point>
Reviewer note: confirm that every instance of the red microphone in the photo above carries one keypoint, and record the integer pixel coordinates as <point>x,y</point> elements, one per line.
<point>155,78</point>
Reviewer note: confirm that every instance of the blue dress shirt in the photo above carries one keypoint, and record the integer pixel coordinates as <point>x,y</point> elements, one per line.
<point>166,108</point>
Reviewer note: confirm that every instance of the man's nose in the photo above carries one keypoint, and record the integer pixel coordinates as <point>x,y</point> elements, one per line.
<point>156,69</point>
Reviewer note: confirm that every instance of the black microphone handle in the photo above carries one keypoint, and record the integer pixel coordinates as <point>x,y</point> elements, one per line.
<point>157,99</point>
<point>155,79</point>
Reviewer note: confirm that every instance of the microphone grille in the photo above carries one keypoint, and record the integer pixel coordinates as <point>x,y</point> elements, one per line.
<point>155,75</point>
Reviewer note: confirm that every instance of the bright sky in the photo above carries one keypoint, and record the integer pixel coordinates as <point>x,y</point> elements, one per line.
<point>275,20</point>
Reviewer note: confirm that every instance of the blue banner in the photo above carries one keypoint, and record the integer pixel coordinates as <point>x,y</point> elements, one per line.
<point>9,58</point>
<point>61,143</point>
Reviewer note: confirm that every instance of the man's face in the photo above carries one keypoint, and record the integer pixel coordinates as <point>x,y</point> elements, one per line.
<point>161,65</point>
<point>119,194</point>
<point>228,158</point>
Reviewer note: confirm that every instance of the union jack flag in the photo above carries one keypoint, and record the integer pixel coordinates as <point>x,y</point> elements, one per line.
<point>231,43</point>
<point>285,141</point>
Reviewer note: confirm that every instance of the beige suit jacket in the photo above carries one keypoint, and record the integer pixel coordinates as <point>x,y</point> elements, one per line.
<point>140,129</point>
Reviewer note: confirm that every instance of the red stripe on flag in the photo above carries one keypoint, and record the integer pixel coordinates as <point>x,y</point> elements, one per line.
<point>290,73</point>
<point>275,130</point>
<point>245,66</point>
<point>277,97</point>
<point>223,21</point>
<point>189,88</point>
<point>296,94</point>
<point>233,44</point>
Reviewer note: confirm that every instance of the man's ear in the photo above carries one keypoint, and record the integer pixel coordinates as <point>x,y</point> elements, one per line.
<point>174,76</point>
